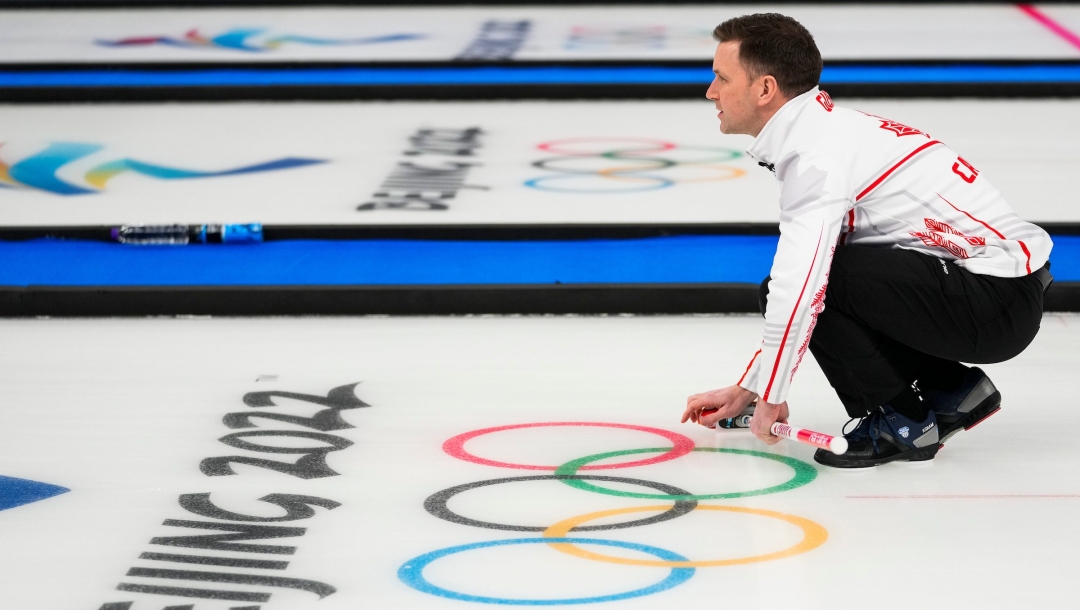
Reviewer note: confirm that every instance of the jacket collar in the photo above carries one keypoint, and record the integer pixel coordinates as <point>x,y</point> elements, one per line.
<point>768,144</point>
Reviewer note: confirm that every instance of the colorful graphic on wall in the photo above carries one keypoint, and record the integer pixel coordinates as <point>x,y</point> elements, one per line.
<point>17,492</point>
<point>593,38</point>
<point>39,170</point>
<point>609,165</point>
<point>250,39</point>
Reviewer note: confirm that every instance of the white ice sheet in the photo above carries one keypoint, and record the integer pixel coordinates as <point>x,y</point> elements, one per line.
<point>123,411</point>
<point>843,31</point>
<point>1028,149</point>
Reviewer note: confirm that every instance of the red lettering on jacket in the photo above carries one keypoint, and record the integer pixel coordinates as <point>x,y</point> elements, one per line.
<point>969,178</point>
<point>825,101</point>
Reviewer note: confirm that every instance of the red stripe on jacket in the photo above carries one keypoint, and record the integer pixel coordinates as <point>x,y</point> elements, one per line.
<point>744,373</point>
<point>783,342</point>
<point>892,169</point>
<point>1023,246</point>
<point>850,224</point>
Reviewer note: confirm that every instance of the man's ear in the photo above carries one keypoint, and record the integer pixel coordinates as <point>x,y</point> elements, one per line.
<point>770,90</point>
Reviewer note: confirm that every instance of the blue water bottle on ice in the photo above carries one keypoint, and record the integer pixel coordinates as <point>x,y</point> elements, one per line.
<point>178,235</point>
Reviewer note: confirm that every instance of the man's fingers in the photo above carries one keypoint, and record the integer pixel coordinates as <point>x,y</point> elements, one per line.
<point>689,414</point>
<point>768,438</point>
<point>697,402</point>
<point>697,409</point>
<point>693,414</point>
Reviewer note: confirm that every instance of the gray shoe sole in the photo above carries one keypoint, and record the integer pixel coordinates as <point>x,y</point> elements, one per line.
<point>987,407</point>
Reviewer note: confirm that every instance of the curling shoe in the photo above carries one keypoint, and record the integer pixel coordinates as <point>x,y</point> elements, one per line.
<point>886,436</point>
<point>966,407</point>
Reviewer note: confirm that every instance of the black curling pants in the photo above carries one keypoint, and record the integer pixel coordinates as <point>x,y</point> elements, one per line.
<point>896,316</point>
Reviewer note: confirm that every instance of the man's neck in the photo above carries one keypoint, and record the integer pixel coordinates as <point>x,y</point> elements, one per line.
<point>768,113</point>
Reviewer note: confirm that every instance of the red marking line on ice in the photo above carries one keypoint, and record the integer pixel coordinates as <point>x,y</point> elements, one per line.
<point>963,497</point>
<point>1050,24</point>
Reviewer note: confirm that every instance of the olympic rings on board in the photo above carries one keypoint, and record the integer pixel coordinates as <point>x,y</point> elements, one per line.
<point>573,146</point>
<point>681,446</point>
<point>804,473</point>
<point>412,572</point>
<point>582,160</point>
<point>813,536</point>
<point>436,504</point>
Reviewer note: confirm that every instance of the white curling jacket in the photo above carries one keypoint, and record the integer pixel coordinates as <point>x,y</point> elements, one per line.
<point>847,177</point>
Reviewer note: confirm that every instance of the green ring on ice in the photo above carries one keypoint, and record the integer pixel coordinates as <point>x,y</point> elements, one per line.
<point>804,473</point>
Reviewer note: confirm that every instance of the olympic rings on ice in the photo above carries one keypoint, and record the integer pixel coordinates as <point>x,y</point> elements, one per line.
<point>804,473</point>
<point>606,164</point>
<point>813,536</point>
<point>684,502</point>
<point>681,446</point>
<point>412,573</point>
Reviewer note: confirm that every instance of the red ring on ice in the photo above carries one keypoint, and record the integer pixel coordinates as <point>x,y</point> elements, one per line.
<point>651,146</point>
<point>681,445</point>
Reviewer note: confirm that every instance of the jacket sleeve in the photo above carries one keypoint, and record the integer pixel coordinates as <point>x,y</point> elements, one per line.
<point>814,197</point>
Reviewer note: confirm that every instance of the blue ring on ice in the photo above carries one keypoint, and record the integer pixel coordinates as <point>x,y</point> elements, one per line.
<point>661,183</point>
<point>412,573</point>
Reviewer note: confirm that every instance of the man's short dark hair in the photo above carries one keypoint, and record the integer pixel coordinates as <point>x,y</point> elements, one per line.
<point>770,43</point>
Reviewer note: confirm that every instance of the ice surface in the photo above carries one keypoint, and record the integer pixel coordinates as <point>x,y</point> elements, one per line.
<point>122,413</point>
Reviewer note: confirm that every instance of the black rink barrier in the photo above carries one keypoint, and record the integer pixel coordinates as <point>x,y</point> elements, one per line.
<point>361,81</point>
<point>524,92</point>
<point>377,300</point>
<point>558,299</point>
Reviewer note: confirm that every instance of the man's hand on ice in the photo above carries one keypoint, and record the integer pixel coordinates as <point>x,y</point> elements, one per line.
<point>764,415</point>
<point>729,402</point>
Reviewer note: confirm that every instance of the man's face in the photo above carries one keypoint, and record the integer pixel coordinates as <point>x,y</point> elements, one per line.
<point>732,91</point>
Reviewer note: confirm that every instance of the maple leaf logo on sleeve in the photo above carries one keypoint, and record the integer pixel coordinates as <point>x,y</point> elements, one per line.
<point>899,129</point>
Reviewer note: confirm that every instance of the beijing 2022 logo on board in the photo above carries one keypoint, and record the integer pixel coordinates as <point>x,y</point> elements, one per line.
<point>252,40</point>
<point>619,165</point>
<point>39,171</point>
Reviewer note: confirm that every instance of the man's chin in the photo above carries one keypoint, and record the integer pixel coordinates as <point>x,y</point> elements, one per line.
<point>728,128</point>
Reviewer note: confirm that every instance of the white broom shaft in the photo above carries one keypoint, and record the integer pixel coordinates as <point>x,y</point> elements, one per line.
<point>836,444</point>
